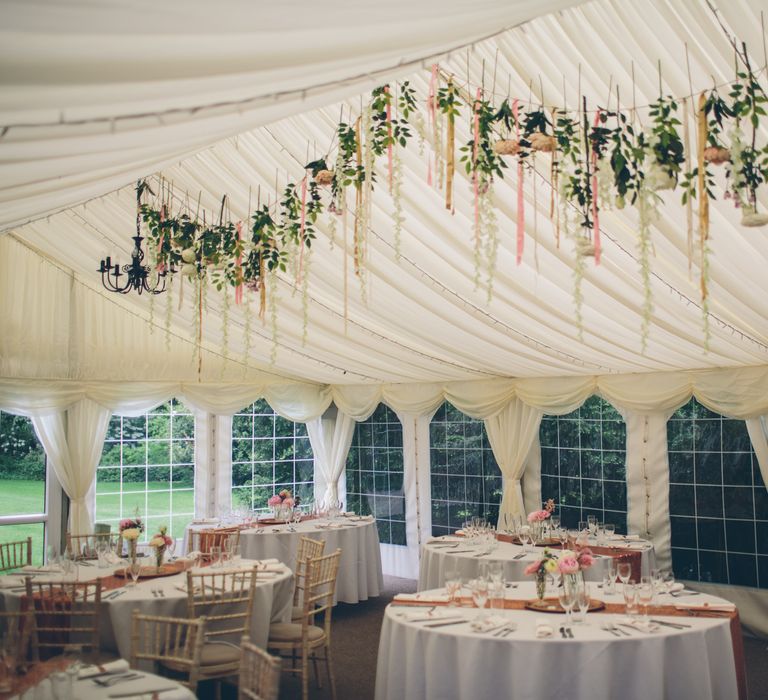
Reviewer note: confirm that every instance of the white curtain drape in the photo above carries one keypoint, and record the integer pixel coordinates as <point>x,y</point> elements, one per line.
<point>511,434</point>
<point>73,441</point>
<point>330,436</point>
<point>758,435</point>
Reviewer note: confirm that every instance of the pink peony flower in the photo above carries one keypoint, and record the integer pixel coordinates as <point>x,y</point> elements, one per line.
<point>532,568</point>
<point>568,565</point>
<point>274,501</point>
<point>586,560</point>
<point>538,516</point>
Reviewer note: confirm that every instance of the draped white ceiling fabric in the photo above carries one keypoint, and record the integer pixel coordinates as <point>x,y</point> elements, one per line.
<point>98,94</point>
<point>422,320</point>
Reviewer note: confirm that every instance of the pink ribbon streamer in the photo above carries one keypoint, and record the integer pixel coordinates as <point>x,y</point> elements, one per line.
<point>389,134</point>
<point>239,266</point>
<point>475,148</point>
<point>595,208</point>
<point>520,193</point>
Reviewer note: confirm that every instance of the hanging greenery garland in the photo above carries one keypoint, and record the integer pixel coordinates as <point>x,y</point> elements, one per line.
<point>600,165</point>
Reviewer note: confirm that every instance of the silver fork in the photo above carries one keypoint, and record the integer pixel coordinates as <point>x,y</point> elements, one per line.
<point>107,682</point>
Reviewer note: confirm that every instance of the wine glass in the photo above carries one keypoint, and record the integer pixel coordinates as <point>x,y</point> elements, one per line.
<point>669,581</point>
<point>479,587</point>
<point>555,522</point>
<point>630,598</point>
<point>582,602</point>
<point>566,596</point>
<point>592,524</point>
<point>624,570</point>
<point>452,585</point>
<point>134,568</point>
<point>610,530</point>
<point>73,655</point>
<point>645,597</point>
<point>583,525</point>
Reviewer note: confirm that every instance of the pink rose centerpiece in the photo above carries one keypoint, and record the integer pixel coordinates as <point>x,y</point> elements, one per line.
<point>572,564</point>
<point>130,530</point>
<point>548,564</point>
<point>282,503</point>
<point>160,542</point>
<point>537,519</point>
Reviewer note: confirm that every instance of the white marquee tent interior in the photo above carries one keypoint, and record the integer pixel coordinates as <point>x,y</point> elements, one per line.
<point>232,98</point>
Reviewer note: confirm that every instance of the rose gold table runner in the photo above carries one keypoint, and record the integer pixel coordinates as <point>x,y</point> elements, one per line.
<point>36,673</point>
<point>619,608</point>
<point>633,556</point>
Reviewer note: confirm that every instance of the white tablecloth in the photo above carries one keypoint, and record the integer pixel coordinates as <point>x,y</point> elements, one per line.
<point>436,559</point>
<point>272,602</point>
<point>360,574</point>
<point>455,663</point>
<point>142,687</point>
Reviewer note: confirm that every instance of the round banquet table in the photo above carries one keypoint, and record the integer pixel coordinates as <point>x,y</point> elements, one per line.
<point>144,686</point>
<point>166,596</point>
<point>360,575</point>
<point>440,554</point>
<point>454,662</point>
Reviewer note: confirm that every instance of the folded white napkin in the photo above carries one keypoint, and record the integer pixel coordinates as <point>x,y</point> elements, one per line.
<point>676,587</point>
<point>715,607</point>
<point>491,622</point>
<point>422,597</point>
<point>638,624</point>
<point>543,628</point>
<point>112,667</point>
<point>627,538</point>
<point>191,556</point>
<point>11,581</point>
<point>40,569</point>
<point>410,614</point>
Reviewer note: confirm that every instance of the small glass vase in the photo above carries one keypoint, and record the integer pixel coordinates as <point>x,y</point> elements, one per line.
<point>132,551</point>
<point>541,585</point>
<point>574,582</point>
<point>159,556</point>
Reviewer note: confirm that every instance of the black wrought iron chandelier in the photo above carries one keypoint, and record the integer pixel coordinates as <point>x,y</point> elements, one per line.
<point>135,276</point>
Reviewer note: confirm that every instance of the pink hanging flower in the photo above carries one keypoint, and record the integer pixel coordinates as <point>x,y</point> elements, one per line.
<point>585,558</point>
<point>274,500</point>
<point>532,568</point>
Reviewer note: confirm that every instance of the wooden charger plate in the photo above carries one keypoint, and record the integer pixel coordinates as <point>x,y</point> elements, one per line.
<point>153,571</point>
<point>552,605</point>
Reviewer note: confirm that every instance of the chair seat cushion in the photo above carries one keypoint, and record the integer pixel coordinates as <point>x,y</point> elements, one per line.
<point>291,632</point>
<point>216,654</point>
<point>297,612</point>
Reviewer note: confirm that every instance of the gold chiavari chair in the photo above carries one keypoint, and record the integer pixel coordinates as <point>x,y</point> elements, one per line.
<point>226,599</point>
<point>259,673</point>
<point>18,632</point>
<point>169,643</point>
<point>67,615</point>
<point>308,549</point>
<point>204,540</point>
<point>85,546</point>
<point>305,638</point>
<point>14,555</point>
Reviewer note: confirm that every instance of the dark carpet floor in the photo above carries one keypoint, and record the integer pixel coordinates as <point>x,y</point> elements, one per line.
<point>356,641</point>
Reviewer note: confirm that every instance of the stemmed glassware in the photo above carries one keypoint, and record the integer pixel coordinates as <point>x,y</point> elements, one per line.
<point>624,569</point>
<point>134,568</point>
<point>645,596</point>
<point>592,525</point>
<point>567,597</point>
<point>582,602</point>
<point>479,587</point>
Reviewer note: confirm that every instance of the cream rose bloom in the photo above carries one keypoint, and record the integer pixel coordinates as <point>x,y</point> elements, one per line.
<point>550,566</point>
<point>131,533</point>
<point>157,541</point>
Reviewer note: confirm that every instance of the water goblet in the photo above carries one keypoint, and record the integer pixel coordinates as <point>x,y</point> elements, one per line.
<point>583,525</point>
<point>479,588</point>
<point>645,597</point>
<point>566,596</point>
<point>452,586</point>
<point>496,594</point>
<point>630,598</point>
<point>609,585</point>
<point>624,570</point>
<point>555,522</point>
<point>610,530</point>
<point>669,581</point>
<point>582,602</point>
<point>134,568</point>
<point>61,685</point>
<point>592,524</point>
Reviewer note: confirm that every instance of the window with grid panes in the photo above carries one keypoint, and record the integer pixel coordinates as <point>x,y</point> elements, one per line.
<point>465,477</point>
<point>269,453</point>
<point>375,474</point>
<point>583,464</point>
<point>23,480</point>
<point>718,503</point>
<point>148,466</point>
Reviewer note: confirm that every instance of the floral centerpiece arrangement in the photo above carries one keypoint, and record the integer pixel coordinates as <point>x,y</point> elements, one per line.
<point>282,503</point>
<point>537,518</point>
<point>568,563</point>
<point>160,542</point>
<point>130,529</point>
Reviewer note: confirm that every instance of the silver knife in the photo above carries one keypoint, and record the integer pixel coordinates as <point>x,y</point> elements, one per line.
<point>446,624</point>
<point>149,691</point>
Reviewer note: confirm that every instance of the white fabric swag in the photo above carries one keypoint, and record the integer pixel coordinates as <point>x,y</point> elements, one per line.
<point>330,437</point>
<point>511,434</point>
<point>758,435</point>
<point>73,442</point>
